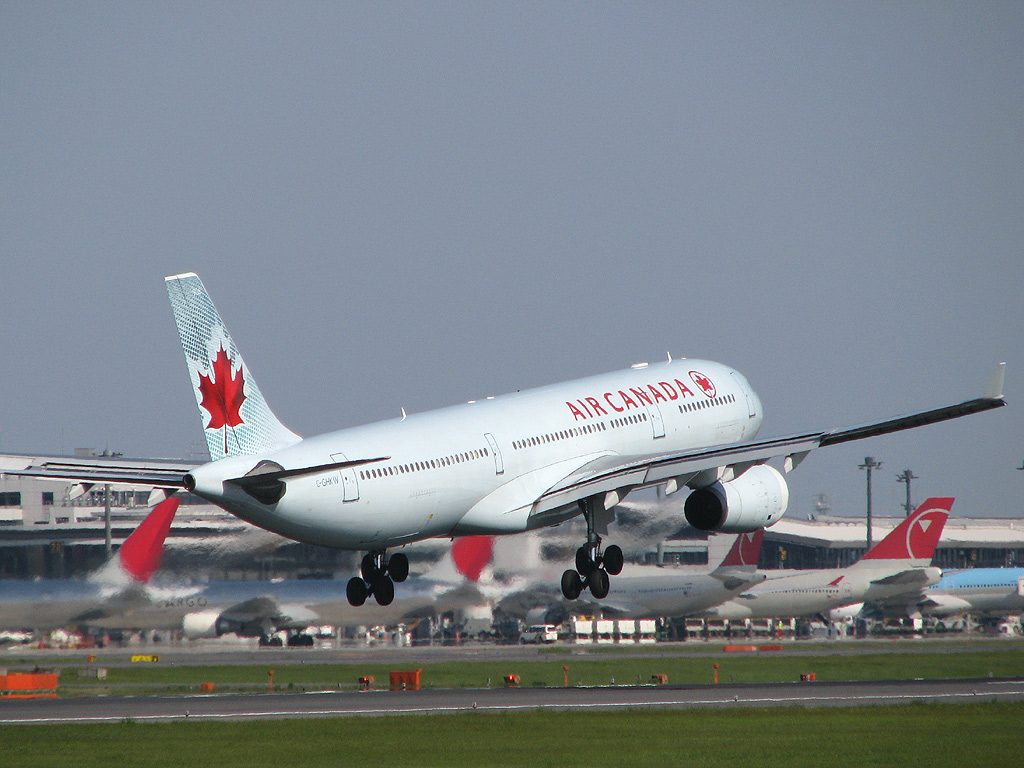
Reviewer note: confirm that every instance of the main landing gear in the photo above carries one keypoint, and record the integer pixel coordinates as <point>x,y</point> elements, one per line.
<point>593,567</point>
<point>379,574</point>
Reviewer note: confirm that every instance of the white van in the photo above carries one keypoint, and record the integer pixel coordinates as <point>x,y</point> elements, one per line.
<point>539,633</point>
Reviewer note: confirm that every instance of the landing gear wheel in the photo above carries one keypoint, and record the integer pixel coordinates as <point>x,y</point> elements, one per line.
<point>598,583</point>
<point>368,568</point>
<point>584,563</point>
<point>356,591</point>
<point>384,590</point>
<point>398,567</point>
<point>572,585</point>
<point>613,560</point>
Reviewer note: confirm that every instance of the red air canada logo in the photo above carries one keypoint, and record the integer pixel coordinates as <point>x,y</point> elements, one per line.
<point>703,382</point>
<point>222,393</point>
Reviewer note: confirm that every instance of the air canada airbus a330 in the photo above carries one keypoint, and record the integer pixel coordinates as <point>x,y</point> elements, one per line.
<point>498,465</point>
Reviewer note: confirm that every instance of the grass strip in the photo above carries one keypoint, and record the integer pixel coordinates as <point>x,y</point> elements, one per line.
<point>549,672</point>
<point>911,735</point>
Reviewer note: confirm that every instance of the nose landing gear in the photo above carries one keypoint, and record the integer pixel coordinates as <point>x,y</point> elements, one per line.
<point>378,576</point>
<point>593,567</point>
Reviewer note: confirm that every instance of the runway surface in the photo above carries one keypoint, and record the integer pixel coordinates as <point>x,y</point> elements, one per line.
<point>612,698</point>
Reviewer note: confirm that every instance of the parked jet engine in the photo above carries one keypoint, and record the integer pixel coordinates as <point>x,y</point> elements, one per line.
<point>202,624</point>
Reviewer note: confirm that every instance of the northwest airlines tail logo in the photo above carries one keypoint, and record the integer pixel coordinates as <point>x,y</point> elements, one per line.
<point>746,549</point>
<point>917,536</point>
<point>923,536</point>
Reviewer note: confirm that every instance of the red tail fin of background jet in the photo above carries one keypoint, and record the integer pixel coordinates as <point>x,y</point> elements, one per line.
<point>140,554</point>
<point>917,536</point>
<point>472,554</point>
<point>745,550</point>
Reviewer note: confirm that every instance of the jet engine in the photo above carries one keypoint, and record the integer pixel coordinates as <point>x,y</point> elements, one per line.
<point>845,613</point>
<point>755,499</point>
<point>202,624</point>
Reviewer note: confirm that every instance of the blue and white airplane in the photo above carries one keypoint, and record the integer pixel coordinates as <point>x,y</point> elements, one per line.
<point>979,591</point>
<point>499,465</point>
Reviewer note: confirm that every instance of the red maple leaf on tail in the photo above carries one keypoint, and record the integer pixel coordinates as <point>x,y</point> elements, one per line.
<point>222,393</point>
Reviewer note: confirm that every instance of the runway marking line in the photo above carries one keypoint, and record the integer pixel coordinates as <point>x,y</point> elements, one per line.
<point>187,715</point>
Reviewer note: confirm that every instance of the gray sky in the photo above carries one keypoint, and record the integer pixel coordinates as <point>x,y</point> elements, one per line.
<point>418,204</point>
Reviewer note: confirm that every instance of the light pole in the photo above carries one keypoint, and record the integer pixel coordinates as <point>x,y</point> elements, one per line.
<point>1021,467</point>
<point>869,464</point>
<point>905,477</point>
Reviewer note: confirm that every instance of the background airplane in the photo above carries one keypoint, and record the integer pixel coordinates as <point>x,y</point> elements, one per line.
<point>899,564</point>
<point>106,598</point>
<point>976,591</point>
<point>680,593</point>
<point>456,583</point>
<point>497,466</point>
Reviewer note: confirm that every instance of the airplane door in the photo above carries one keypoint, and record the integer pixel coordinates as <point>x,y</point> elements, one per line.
<point>657,422</point>
<point>499,467</point>
<point>751,410</point>
<point>350,488</point>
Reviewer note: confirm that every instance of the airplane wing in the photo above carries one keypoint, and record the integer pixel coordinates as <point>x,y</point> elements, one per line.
<point>266,610</point>
<point>911,577</point>
<point>611,476</point>
<point>738,578</point>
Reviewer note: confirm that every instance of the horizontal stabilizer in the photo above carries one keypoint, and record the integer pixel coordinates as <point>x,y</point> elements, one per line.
<point>265,481</point>
<point>911,576</point>
<point>152,472</point>
<point>737,578</point>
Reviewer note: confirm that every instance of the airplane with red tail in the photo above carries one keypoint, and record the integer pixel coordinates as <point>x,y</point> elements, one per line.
<point>106,598</point>
<point>900,564</point>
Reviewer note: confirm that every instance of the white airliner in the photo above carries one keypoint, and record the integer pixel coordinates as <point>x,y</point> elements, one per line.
<point>900,564</point>
<point>498,465</point>
<point>261,608</point>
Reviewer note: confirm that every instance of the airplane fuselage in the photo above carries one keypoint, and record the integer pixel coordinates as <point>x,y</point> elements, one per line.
<point>990,591</point>
<point>480,467</point>
<point>668,594</point>
<point>816,592</point>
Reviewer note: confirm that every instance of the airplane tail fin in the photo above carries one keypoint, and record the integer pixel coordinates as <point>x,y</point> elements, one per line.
<point>916,537</point>
<point>745,550</point>
<point>472,554</point>
<point>466,561</point>
<point>236,419</point>
<point>141,552</point>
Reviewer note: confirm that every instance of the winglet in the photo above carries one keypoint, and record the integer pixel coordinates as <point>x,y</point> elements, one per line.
<point>140,554</point>
<point>995,387</point>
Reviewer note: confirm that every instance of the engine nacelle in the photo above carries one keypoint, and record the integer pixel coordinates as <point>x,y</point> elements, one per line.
<point>755,499</point>
<point>201,624</point>
<point>845,613</point>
